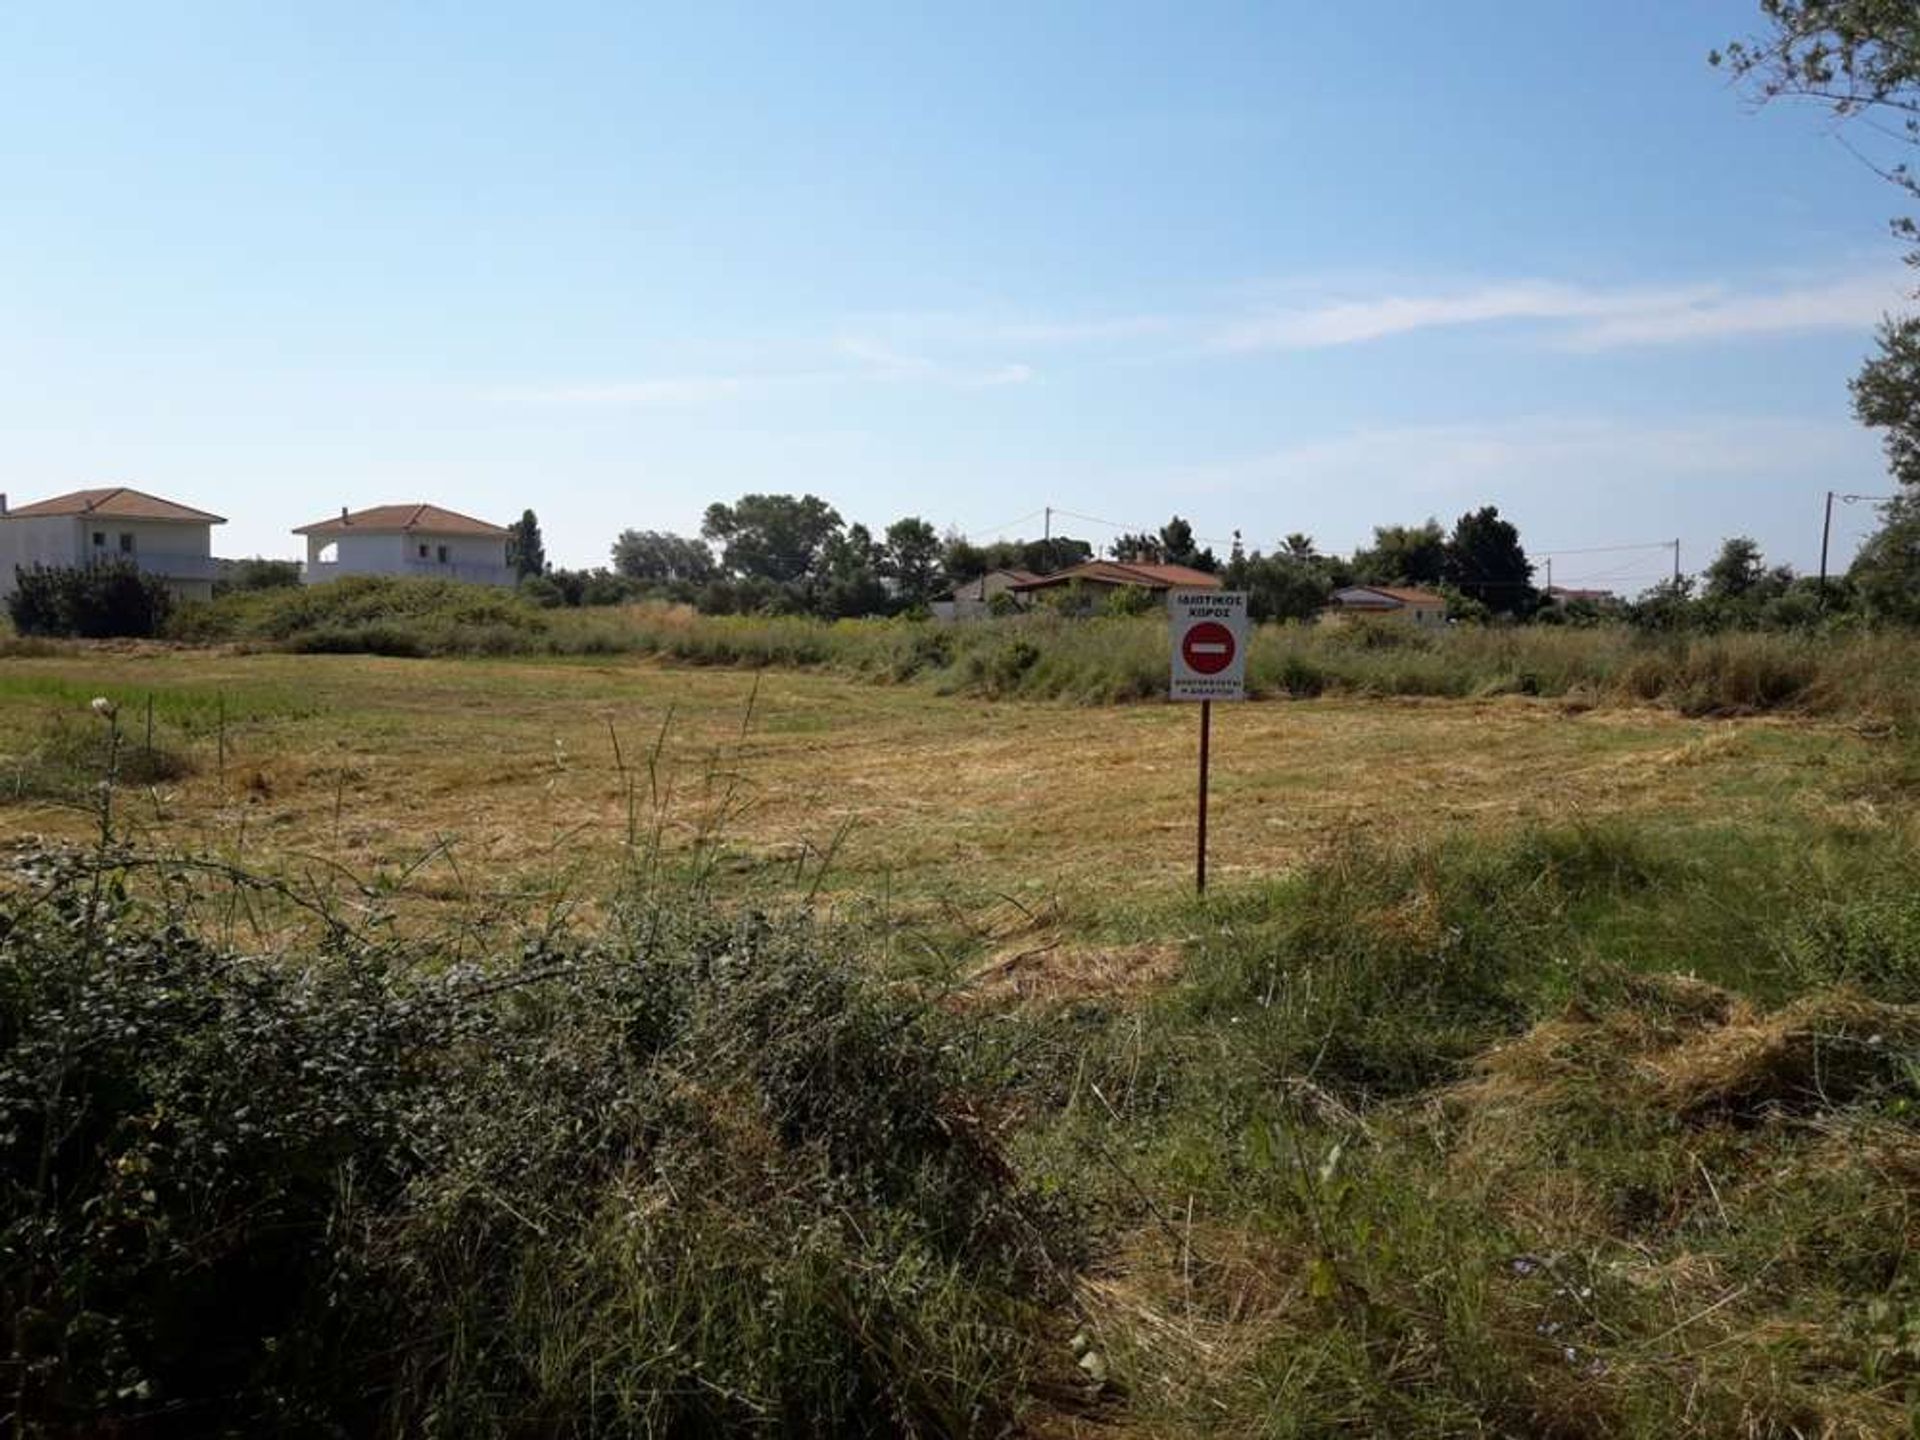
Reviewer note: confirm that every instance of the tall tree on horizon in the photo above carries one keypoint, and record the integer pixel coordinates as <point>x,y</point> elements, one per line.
<point>1484,562</point>
<point>526,552</point>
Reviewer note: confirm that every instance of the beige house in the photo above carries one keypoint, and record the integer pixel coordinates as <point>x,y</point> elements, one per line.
<point>163,537</point>
<point>1396,602</point>
<point>417,539</point>
<point>1099,579</point>
<point>974,599</point>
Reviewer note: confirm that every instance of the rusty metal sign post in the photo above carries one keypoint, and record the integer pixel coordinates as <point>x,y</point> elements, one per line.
<point>1208,630</point>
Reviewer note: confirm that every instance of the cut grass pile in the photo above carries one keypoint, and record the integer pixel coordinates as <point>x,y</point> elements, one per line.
<point>1100,660</point>
<point>1429,1142</point>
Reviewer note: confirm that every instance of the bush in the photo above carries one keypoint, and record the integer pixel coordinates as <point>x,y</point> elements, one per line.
<point>111,599</point>
<point>691,1176</point>
<point>256,574</point>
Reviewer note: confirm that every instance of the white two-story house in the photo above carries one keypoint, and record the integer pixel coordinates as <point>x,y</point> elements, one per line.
<point>162,537</point>
<point>417,539</point>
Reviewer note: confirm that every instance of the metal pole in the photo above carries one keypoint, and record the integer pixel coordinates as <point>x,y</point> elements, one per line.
<point>1826,533</point>
<point>1200,858</point>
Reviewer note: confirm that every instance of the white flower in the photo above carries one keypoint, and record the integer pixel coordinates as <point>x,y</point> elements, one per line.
<point>104,708</point>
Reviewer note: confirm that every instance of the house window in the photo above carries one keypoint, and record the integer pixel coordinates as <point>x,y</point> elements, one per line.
<point>423,552</point>
<point>99,539</point>
<point>126,543</point>
<point>443,555</point>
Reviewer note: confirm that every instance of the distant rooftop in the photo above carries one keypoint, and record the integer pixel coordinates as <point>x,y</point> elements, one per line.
<point>403,519</point>
<point>115,502</point>
<point>1116,572</point>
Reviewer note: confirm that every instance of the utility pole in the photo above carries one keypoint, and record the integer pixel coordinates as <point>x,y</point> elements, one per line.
<point>1676,564</point>
<point>1549,577</point>
<point>1046,538</point>
<point>1826,534</point>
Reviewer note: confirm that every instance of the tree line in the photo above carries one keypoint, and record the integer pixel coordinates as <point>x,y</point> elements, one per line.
<point>786,554</point>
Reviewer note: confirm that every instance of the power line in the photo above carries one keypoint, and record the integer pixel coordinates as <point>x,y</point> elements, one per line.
<point>1608,549</point>
<point>1001,529</point>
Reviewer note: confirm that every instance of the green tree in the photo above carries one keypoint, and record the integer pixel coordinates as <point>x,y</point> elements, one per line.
<point>1044,557</point>
<point>962,560</point>
<point>1403,555</point>
<point>662,558</point>
<point>1858,58</point>
<point>1485,562</point>
<point>1737,571</point>
<point>1886,572</point>
<point>1886,396</point>
<point>849,583</point>
<point>1138,548</point>
<point>778,538</point>
<point>526,553</point>
<point>911,559</point>
<point>1283,586</point>
<point>1178,547</point>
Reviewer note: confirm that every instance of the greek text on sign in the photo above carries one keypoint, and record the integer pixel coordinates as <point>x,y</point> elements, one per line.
<point>1209,633</point>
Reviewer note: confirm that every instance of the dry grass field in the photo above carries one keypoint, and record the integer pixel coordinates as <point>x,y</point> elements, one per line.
<point>1533,1067</point>
<point>525,773</point>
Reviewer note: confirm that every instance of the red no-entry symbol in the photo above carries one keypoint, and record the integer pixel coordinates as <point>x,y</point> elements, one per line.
<point>1207,648</point>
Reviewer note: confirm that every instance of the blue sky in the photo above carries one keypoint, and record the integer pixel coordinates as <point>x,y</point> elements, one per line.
<point>1276,267</point>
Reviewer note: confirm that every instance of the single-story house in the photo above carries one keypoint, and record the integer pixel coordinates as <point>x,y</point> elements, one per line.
<point>974,598</point>
<point>1098,579</point>
<point>163,537</point>
<point>416,539</point>
<point>1421,607</point>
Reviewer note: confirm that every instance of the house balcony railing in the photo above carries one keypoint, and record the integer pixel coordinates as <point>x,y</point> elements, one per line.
<point>317,572</point>
<point>167,567</point>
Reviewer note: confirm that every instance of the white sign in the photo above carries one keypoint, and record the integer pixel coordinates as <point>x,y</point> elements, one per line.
<point>1209,633</point>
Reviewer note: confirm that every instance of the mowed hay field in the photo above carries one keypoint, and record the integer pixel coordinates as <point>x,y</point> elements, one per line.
<point>726,1051</point>
<point>524,773</point>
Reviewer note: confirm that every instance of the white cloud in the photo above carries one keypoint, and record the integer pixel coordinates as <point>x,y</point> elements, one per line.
<point>1582,317</point>
<point>956,351</point>
<point>1853,302</point>
<point>1450,461</point>
<point>878,360</point>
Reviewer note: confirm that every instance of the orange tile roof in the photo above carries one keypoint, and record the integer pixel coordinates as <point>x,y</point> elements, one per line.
<point>428,519</point>
<point>1401,593</point>
<point>116,502</point>
<point>1115,572</point>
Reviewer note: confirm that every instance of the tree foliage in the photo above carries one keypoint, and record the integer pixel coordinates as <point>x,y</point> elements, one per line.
<point>1860,58</point>
<point>662,558</point>
<point>1886,396</point>
<point>779,538</point>
<point>1484,561</point>
<point>1403,555</point>
<point>1886,572</point>
<point>1172,544</point>
<point>1737,570</point>
<point>111,599</point>
<point>911,560</point>
<point>526,552</point>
